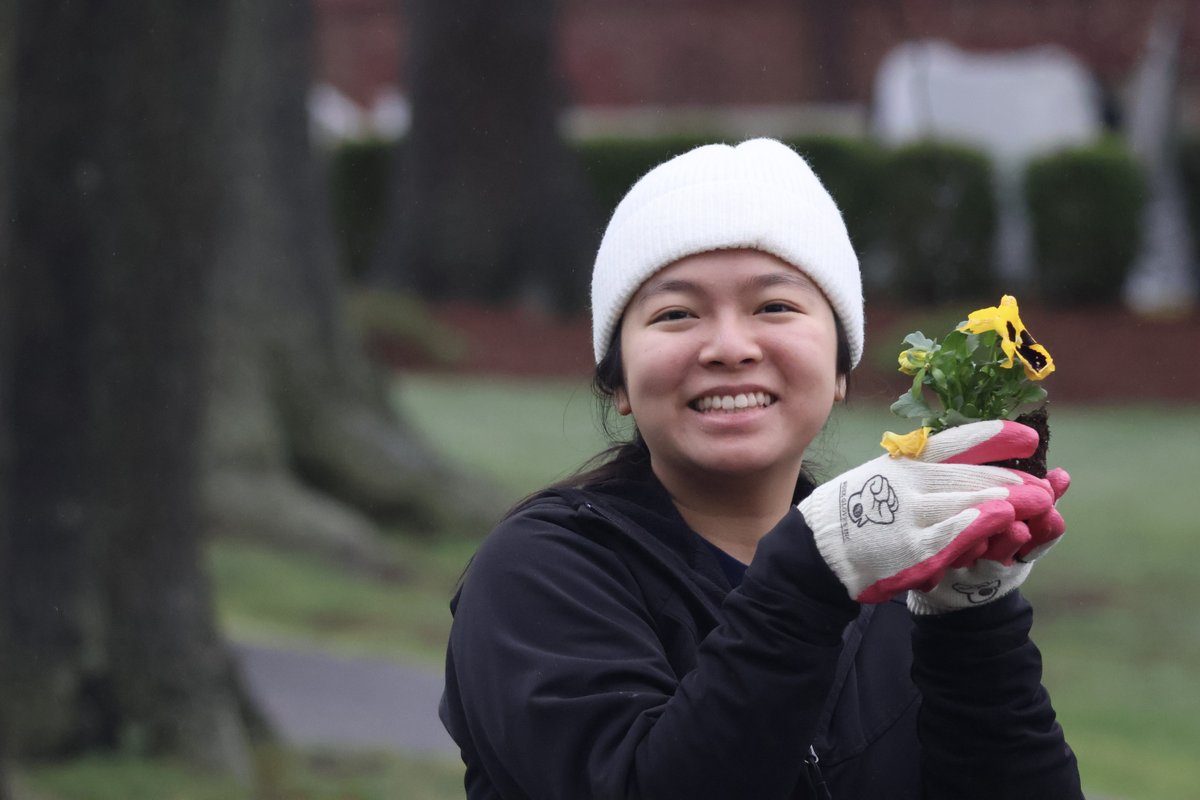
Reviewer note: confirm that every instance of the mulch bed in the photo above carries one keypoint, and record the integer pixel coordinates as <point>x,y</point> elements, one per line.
<point>1102,355</point>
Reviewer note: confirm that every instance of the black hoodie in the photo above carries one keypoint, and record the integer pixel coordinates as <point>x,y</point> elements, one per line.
<point>598,651</point>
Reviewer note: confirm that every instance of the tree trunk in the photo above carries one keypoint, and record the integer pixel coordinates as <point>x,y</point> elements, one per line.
<point>109,610</point>
<point>7,41</point>
<point>488,202</point>
<point>301,445</point>
<point>53,641</point>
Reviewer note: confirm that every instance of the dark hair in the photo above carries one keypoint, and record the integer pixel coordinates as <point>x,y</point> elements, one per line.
<point>622,458</point>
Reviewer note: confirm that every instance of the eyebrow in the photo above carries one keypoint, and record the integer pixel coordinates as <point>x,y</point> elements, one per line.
<point>766,281</point>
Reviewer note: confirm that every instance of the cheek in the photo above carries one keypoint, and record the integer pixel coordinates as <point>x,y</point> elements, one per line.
<point>652,390</point>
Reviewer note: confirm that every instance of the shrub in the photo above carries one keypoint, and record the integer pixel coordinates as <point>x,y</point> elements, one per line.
<point>851,169</point>
<point>358,182</point>
<point>939,214</point>
<point>1085,206</point>
<point>613,165</point>
<point>1189,162</point>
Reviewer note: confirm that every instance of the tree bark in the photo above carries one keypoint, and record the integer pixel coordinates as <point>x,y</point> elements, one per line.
<point>109,611</point>
<point>7,41</point>
<point>52,639</point>
<point>301,445</point>
<point>488,202</point>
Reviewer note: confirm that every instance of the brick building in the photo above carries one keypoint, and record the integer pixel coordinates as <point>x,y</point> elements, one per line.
<point>779,66</point>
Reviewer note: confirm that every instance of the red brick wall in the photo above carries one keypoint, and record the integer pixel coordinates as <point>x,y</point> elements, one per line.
<point>721,52</point>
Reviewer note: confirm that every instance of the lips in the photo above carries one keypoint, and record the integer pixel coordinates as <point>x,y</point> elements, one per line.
<point>730,403</point>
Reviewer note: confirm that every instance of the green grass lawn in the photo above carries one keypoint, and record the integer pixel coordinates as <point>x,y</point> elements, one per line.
<point>1121,641</point>
<point>281,775</point>
<point>1122,644</point>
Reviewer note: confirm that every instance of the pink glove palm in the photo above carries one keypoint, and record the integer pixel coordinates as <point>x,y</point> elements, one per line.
<point>1001,568</point>
<point>895,524</point>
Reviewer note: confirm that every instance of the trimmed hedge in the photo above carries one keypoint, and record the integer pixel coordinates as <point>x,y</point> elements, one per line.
<point>1189,162</point>
<point>1085,207</point>
<point>852,171</point>
<point>939,214</point>
<point>613,165</point>
<point>930,207</point>
<point>358,182</point>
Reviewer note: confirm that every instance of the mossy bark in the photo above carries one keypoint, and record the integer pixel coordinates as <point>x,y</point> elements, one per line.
<point>300,443</point>
<point>109,628</point>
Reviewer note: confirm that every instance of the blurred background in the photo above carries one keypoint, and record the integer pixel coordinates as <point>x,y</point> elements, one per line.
<point>293,306</point>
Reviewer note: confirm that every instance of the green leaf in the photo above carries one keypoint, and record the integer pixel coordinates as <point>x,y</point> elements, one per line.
<point>956,343</point>
<point>954,417</point>
<point>918,381</point>
<point>1031,393</point>
<point>909,407</point>
<point>920,341</point>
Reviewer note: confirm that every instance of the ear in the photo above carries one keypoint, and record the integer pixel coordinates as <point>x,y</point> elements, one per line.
<point>839,389</point>
<point>621,402</point>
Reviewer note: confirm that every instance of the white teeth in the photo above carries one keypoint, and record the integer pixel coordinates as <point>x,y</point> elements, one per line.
<point>729,402</point>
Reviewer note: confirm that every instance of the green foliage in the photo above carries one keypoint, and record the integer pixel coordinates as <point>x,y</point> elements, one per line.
<point>985,368</point>
<point>939,215</point>
<point>281,775</point>
<point>403,319</point>
<point>613,165</point>
<point>851,169</point>
<point>1189,164</point>
<point>263,594</point>
<point>358,181</point>
<point>1085,207</point>
<point>931,205</point>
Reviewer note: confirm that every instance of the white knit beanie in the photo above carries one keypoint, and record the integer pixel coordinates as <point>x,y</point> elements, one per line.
<point>760,195</point>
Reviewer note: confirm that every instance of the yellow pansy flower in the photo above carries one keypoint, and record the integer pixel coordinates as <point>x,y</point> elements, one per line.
<point>907,444</point>
<point>1015,341</point>
<point>912,360</point>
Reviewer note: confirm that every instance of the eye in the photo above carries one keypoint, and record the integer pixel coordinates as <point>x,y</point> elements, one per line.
<point>672,315</point>
<point>777,307</point>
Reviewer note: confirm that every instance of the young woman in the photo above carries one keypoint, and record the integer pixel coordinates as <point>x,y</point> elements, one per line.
<point>694,618</point>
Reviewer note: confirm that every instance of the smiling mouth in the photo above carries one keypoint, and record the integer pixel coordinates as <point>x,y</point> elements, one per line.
<point>728,403</point>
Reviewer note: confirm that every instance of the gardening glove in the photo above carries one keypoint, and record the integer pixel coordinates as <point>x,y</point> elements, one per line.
<point>894,524</point>
<point>999,571</point>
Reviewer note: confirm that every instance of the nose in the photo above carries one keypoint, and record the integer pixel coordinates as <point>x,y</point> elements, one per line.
<point>730,341</point>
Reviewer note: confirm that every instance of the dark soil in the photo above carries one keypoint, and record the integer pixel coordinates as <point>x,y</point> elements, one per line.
<point>1102,355</point>
<point>1035,465</point>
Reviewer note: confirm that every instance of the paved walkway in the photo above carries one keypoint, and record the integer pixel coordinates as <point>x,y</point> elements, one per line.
<point>314,698</point>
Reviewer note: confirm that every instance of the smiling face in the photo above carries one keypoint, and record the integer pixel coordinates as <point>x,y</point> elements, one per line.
<point>730,366</point>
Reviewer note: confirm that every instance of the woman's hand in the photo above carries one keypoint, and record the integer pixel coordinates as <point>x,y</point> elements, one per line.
<point>899,524</point>
<point>996,574</point>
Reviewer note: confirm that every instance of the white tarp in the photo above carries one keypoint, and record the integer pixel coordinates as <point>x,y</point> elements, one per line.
<point>1013,105</point>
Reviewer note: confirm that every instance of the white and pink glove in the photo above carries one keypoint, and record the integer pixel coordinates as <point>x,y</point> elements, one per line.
<point>895,524</point>
<point>998,572</point>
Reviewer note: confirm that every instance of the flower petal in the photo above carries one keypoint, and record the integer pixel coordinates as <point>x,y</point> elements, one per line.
<point>1036,360</point>
<point>907,444</point>
<point>912,360</point>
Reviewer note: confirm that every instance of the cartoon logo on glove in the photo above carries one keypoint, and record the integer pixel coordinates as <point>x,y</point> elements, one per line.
<point>875,502</point>
<point>978,592</point>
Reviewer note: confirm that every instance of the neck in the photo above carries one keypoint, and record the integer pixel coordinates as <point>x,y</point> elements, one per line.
<point>733,513</point>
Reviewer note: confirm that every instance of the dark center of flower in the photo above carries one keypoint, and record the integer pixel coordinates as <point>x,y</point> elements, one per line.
<point>1031,356</point>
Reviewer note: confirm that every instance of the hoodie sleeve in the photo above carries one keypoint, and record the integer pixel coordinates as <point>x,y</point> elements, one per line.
<point>564,690</point>
<point>987,728</point>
